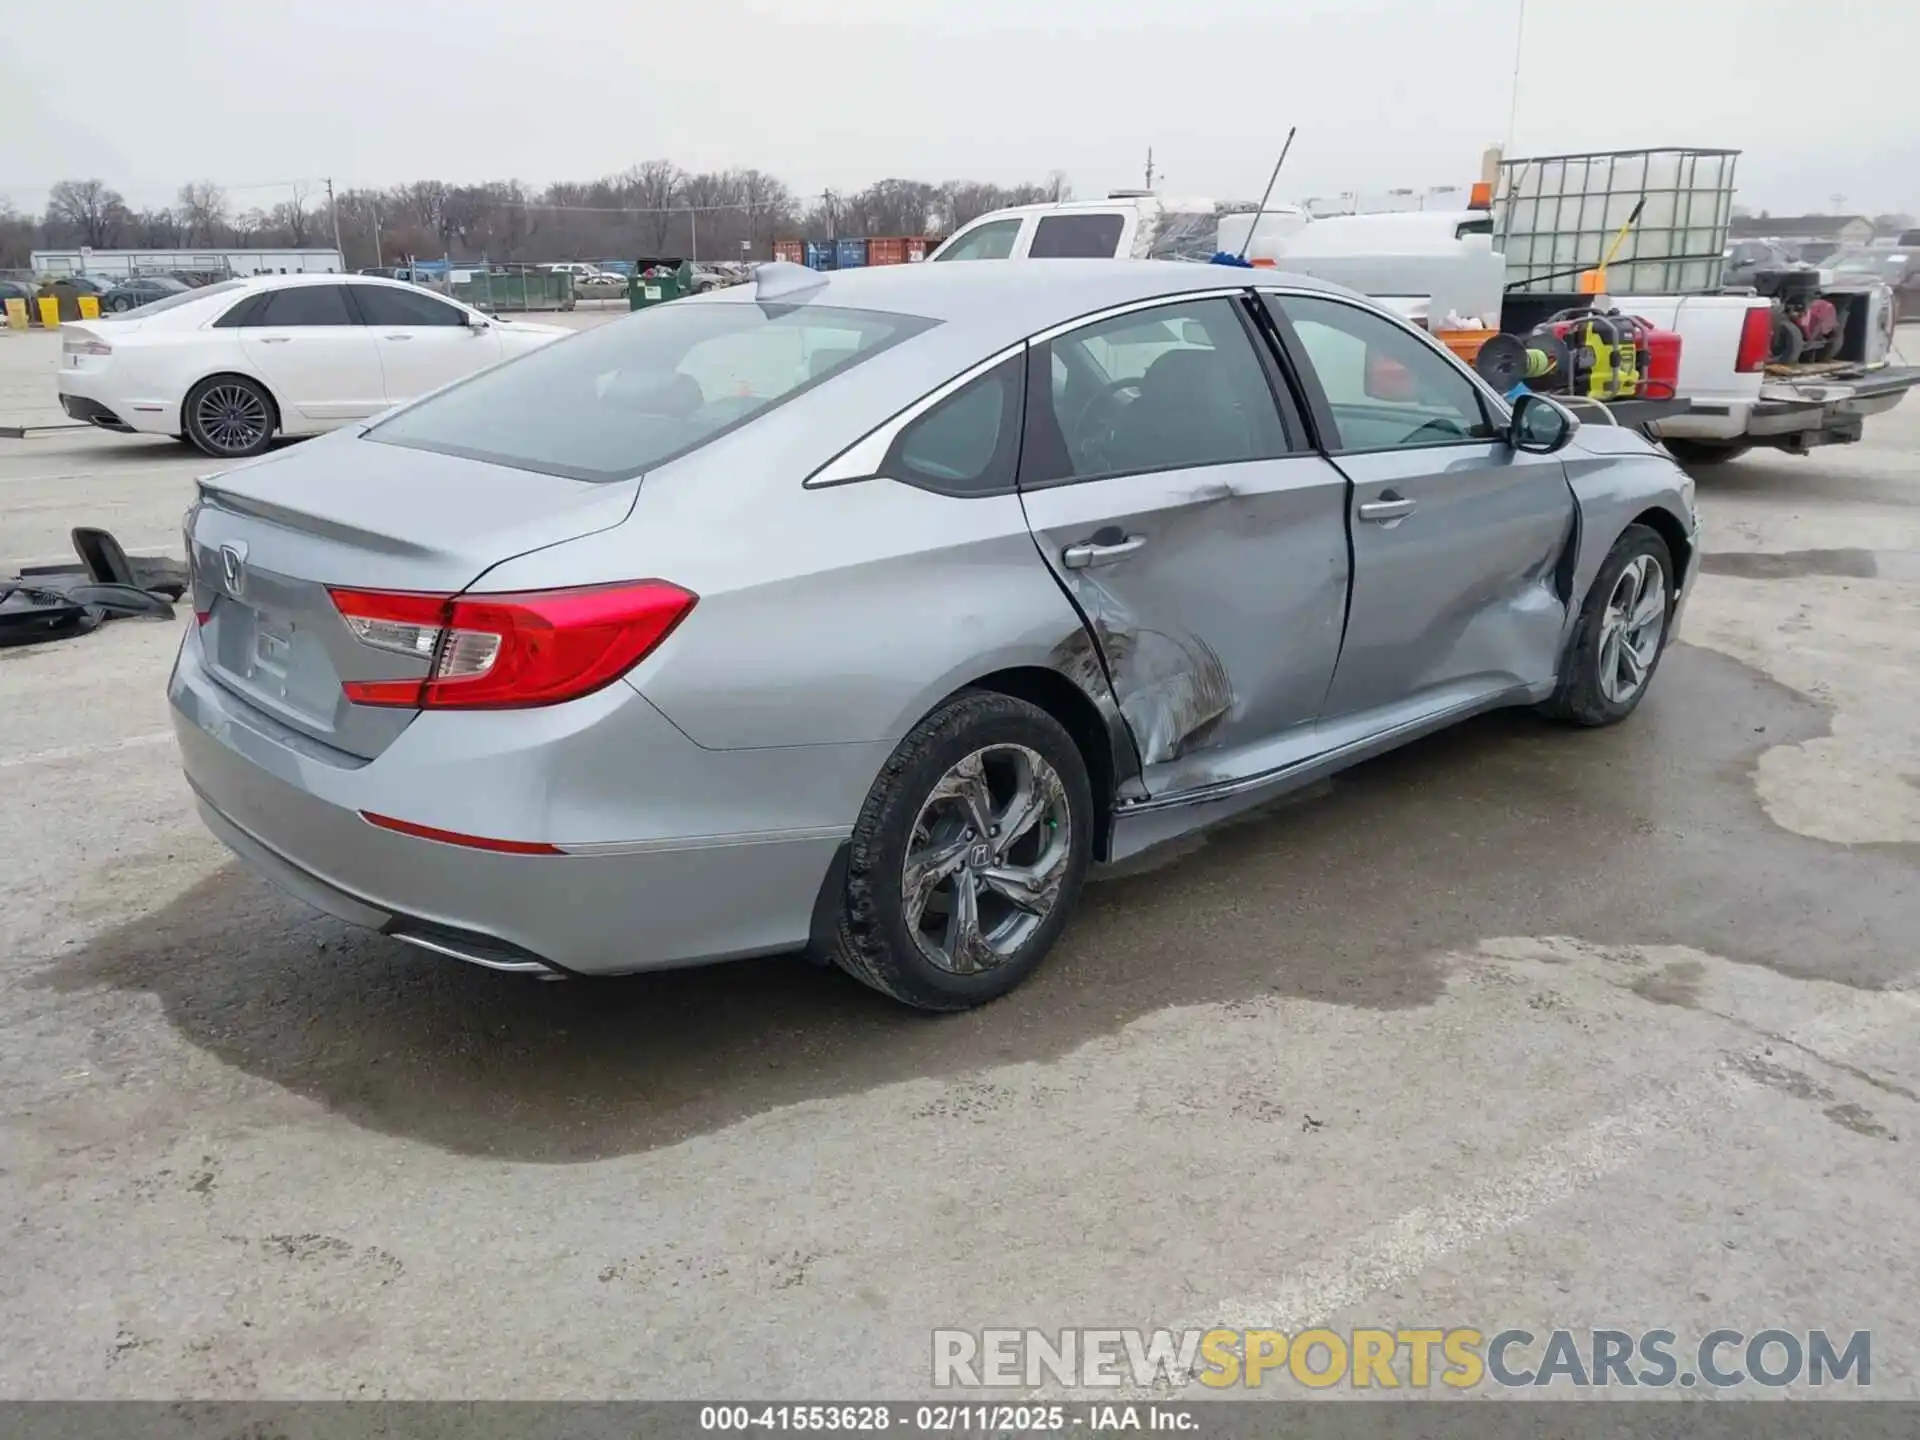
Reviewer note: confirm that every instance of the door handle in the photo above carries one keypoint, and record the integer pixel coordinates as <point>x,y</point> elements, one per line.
<point>1389,509</point>
<point>275,339</point>
<point>1090,553</point>
<point>396,337</point>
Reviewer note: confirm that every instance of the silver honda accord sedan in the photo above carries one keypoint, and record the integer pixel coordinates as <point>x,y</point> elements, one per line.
<point>862,612</point>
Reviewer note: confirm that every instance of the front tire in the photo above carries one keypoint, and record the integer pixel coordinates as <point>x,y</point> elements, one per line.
<point>1621,634</point>
<point>230,417</point>
<point>968,855</point>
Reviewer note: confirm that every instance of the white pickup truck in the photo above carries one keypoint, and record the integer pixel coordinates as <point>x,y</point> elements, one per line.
<point>1739,405</point>
<point>1428,263</point>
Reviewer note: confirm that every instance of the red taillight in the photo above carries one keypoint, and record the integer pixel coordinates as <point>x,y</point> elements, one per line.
<point>1756,340</point>
<point>454,837</point>
<point>508,651</point>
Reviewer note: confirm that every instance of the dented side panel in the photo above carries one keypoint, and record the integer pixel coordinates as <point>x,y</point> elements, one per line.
<point>1462,591</point>
<point>1221,628</point>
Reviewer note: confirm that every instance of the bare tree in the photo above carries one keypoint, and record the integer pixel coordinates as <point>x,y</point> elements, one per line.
<point>203,211</point>
<point>770,208</point>
<point>654,186</point>
<point>16,238</point>
<point>250,227</point>
<point>293,219</point>
<point>155,229</point>
<point>650,208</point>
<point>90,207</point>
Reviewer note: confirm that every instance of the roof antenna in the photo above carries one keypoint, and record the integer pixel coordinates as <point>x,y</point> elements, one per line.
<point>1254,223</point>
<point>782,279</point>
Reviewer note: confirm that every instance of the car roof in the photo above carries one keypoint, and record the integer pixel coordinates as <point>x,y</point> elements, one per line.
<point>1021,297</point>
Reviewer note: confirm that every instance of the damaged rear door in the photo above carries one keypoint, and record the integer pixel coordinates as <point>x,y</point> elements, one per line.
<point>1169,486</point>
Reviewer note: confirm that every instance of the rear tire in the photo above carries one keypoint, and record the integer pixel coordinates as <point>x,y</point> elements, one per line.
<point>229,417</point>
<point>968,855</point>
<point>1621,634</point>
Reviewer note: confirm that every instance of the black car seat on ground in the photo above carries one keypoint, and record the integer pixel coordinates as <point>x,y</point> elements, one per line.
<point>56,602</point>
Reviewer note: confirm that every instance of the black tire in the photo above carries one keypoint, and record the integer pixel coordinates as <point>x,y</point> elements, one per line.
<point>251,398</point>
<point>873,941</point>
<point>1706,452</point>
<point>121,303</point>
<point>1582,697</point>
<point>1787,342</point>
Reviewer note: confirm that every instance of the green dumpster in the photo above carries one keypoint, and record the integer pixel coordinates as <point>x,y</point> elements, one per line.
<point>657,280</point>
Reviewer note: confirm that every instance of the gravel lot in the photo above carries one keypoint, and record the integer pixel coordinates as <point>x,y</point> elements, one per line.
<point>1516,1027</point>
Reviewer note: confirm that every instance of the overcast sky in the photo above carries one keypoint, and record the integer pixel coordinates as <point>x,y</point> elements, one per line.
<point>838,93</point>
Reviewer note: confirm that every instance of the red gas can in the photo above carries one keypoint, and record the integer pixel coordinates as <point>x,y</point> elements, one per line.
<point>1661,377</point>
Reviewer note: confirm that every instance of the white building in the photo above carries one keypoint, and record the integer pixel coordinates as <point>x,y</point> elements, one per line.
<point>120,264</point>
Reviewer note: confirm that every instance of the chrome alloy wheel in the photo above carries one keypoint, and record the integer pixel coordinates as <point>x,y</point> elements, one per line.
<point>986,858</point>
<point>1631,628</point>
<point>232,417</point>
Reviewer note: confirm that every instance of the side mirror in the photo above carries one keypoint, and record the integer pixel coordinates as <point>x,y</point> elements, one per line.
<point>477,322</point>
<point>1540,426</point>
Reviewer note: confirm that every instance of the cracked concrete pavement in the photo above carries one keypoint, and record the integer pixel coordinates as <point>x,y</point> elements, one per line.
<point>1516,1027</point>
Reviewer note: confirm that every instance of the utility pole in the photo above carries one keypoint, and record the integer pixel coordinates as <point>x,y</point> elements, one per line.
<point>377,261</point>
<point>333,209</point>
<point>693,229</point>
<point>1149,167</point>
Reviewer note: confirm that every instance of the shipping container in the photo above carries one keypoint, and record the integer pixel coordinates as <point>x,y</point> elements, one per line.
<point>794,252</point>
<point>820,255</point>
<point>887,250</point>
<point>918,248</point>
<point>849,252</point>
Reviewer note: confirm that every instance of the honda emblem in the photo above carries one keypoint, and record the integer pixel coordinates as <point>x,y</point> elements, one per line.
<point>233,568</point>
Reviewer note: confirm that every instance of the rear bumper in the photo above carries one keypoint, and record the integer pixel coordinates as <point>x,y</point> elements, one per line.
<point>83,393</point>
<point>291,810</point>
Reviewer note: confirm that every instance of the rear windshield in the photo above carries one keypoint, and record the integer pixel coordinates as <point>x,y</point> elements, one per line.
<point>609,403</point>
<point>169,302</point>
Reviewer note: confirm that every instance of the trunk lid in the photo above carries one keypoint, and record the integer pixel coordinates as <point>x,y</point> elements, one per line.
<point>268,540</point>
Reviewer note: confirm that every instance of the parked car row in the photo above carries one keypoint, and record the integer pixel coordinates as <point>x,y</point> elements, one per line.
<point>113,293</point>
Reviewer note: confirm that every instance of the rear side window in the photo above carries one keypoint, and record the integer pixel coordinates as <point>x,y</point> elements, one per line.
<point>307,305</point>
<point>1077,237</point>
<point>611,402</point>
<point>984,242</point>
<point>968,444</point>
<point>391,305</point>
<point>247,312</point>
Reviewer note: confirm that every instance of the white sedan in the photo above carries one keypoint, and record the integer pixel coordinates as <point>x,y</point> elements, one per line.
<point>230,366</point>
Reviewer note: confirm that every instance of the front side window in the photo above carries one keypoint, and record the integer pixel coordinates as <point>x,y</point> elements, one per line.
<point>306,305</point>
<point>611,402</point>
<point>393,305</point>
<point>992,241</point>
<point>1077,237</point>
<point>1165,388</point>
<point>969,443</point>
<point>1387,390</point>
